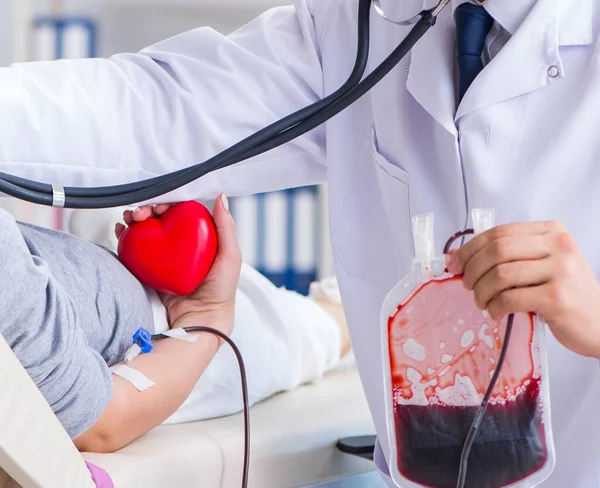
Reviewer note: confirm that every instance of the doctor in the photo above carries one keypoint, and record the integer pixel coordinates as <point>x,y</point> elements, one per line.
<point>509,120</point>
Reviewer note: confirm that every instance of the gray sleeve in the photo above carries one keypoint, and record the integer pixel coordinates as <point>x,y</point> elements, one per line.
<point>79,388</point>
<point>42,326</point>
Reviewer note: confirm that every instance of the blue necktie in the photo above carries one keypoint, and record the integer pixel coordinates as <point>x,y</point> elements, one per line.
<point>473,24</point>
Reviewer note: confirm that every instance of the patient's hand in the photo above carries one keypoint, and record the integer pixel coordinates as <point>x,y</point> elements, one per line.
<point>213,303</point>
<point>139,215</point>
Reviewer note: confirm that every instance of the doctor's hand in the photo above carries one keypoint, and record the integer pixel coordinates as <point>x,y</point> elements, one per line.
<point>534,267</point>
<point>212,304</point>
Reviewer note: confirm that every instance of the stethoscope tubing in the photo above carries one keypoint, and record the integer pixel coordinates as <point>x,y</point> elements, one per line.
<point>272,136</point>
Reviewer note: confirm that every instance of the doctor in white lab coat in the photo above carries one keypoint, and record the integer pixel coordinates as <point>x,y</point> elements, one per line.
<point>524,140</point>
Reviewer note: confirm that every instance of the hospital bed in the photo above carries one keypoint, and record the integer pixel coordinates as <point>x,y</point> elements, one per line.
<point>294,434</point>
<point>294,438</point>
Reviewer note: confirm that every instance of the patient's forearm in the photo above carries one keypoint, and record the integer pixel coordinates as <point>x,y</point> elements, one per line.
<point>174,366</point>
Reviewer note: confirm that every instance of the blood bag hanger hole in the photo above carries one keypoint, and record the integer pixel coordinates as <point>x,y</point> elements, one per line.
<point>425,257</point>
<point>482,219</point>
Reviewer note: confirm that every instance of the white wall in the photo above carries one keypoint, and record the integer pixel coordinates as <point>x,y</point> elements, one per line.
<point>5,32</point>
<point>129,25</point>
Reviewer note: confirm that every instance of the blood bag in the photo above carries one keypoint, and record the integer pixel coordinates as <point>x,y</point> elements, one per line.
<point>440,353</point>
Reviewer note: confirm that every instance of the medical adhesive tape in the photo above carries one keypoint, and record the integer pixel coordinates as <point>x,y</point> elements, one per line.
<point>140,381</point>
<point>180,334</point>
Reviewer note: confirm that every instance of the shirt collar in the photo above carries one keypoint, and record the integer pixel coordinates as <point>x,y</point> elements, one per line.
<point>574,17</point>
<point>508,13</point>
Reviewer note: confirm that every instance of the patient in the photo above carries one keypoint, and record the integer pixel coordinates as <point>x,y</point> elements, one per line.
<point>69,309</point>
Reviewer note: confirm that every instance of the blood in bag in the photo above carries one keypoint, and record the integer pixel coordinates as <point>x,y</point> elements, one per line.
<point>442,351</point>
<point>440,378</point>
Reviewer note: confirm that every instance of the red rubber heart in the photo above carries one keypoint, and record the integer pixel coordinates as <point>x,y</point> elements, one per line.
<point>172,253</point>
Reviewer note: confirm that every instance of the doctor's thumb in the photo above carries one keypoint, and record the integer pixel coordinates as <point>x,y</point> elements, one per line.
<point>228,247</point>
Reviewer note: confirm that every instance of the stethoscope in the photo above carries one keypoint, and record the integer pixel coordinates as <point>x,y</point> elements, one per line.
<point>270,137</point>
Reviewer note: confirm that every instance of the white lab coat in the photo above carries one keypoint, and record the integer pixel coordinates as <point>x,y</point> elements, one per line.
<point>528,147</point>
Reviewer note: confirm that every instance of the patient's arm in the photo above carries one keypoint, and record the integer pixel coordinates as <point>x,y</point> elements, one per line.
<point>174,366</point>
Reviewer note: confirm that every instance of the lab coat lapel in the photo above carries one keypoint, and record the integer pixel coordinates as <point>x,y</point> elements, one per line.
<point>429,65</point>
<point>531,59</point>
<point>431,72</point>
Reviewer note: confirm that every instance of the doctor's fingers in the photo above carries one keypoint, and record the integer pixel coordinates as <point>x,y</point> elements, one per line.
<point>502,232</point>
<point>518,300</point>
<point>502,251</point>
<point>512,276</point>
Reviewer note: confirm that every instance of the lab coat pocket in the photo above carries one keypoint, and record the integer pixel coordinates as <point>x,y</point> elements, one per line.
<point>395,191</point>
<point>372,233</point>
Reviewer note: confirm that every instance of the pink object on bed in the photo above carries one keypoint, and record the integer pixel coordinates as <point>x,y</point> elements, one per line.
<point>100,477</point>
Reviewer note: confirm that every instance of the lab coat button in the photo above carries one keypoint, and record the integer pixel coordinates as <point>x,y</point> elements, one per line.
<point>553,71</point>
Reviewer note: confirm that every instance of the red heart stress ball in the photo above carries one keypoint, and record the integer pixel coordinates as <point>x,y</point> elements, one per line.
<point>171,253</point>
